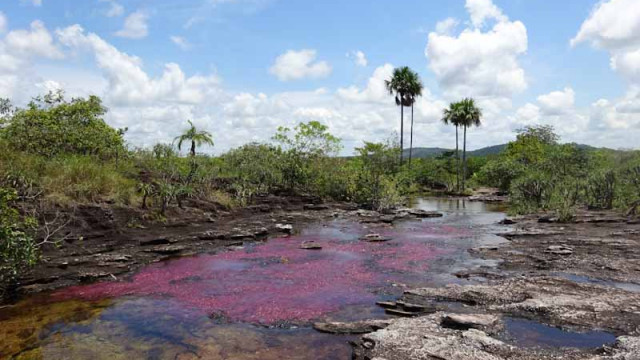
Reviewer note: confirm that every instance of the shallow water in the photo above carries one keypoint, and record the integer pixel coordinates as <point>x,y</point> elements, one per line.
<point>528,333</point>
<point>254,302</point>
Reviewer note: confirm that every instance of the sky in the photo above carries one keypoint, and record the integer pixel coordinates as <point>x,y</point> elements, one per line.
<point>241,68</point>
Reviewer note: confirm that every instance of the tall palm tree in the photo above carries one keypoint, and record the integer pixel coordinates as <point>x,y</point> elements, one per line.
<point>470,115</point>
<point>196,137</point>
<point>400,84</point>
<point>451,116</point>
<point>415,90</point>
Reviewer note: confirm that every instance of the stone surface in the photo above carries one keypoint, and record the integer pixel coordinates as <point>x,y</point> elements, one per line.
<point>358,327</point>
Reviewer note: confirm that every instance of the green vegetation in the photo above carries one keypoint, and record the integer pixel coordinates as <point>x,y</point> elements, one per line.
<point>56,154</point>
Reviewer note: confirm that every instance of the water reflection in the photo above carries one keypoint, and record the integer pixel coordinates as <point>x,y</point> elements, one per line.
<point>234,305</point>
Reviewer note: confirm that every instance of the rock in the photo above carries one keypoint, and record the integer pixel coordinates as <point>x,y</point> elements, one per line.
<point>285,228</point>
<point>388,219</point>
<point>468,321</point>
<point>367,213</point>
<point>402,313</point>
<point>416,307</point>
<point>559,250</point>
<point>419,213</point>
<point>263,231</point>
<point>358,327</point>
<point>213,235</point>
<point>507,221</point>
<point>375,238</point>
<point>386,304</point>
<point>166,250</point>
<point>157,241</point>
<point>547,219</point>
<point>310,245</point>
<point>315,207</point>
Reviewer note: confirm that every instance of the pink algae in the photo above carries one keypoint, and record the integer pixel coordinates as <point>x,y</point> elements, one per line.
<point>277,281</point>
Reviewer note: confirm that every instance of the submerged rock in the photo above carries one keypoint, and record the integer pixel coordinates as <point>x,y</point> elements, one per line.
<point>375,238</point>
<point>310,245</point>
<point>285,228</point>
<point>358,327</point>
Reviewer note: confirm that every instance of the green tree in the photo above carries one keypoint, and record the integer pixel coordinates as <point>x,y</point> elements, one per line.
<point>451,116</point>
<point>415,90</point>
<point>401,83</point>
<point>195,136</point>
<point>469,115</point>
<point>51,126</point>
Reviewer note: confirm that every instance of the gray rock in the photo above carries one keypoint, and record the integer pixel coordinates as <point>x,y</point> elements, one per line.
<point>375,238</point>
<point>310,245</point>
<point>285,228</point>
<point>358,327</point>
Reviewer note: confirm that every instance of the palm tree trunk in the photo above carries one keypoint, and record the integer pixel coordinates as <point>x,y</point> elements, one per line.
<point>457,163</point>
<point>411,138</point>
<point>401,128</point>
<point>193,148</point>
<point>464,158</point>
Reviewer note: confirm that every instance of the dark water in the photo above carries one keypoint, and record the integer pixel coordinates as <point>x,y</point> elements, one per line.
<point>257,301</point>
<point>529,333</point>
<point>589,280</point>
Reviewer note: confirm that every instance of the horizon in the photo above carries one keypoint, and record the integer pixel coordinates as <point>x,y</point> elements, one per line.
<point>157,64</point>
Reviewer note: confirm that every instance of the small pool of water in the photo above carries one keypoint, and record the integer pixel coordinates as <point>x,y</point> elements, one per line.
<point>528,333</point>
<point>254,302</point>
<point>632,287</point>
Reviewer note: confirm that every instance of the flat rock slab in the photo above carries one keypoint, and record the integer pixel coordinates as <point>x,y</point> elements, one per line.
<point>469,321</point>
<point>310,245</point>
<point>559,250</point>
<point>357,327</point>
<point>375,238</point>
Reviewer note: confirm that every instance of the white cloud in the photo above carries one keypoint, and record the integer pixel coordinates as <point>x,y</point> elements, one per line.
<point>446,26</point>
<point>480,64</point>
<point>613,24</point>
<point>3,22</point>
<point>359,58</point>
<point>482,10</point>
<point>135,26</point>
<point>375,91</point>
<point>557,102</point>
<point>129,84</point>
<point>181,42</point>
<point>294,65</point>
<point>115,9</point>
<point>36,41</point>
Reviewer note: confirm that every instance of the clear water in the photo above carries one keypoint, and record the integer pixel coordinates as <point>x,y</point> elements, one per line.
<point>257,302</point>
<point>528,333</point>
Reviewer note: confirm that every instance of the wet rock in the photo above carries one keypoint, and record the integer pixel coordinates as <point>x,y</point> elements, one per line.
<point>358,327</point>
<point>285,228</point>
<point>260,208</point>
<point>402,313</point>
<point>625,348</point>
<point>386,304</point>
<point>310,245</point>
<point>559,250</point>
<point>421,214</point>
<point>507,221</point>
<point>375,238</point>
<point>548,219</point>
<point>213,235</point>
<point>315,207</point>
<point>387,219</point>
<point>367,213</point>
<point>469,321</point>
<point>166,250</point>
<point>156,241</point>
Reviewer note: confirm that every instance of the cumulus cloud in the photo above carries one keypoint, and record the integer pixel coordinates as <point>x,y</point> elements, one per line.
<point>482,64</point>
<point>295,65</point>
<point>181,42</point>
<point>35,41</point>
<point>359,58</point>
<point>482,10</point>
<point>446,26</point>
<point>128,83</point>
<point>557,102</point>
<point>135,26</point>
<point>614,26</point>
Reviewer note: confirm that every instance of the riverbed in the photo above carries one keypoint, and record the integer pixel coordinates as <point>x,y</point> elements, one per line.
<point>256,300</point>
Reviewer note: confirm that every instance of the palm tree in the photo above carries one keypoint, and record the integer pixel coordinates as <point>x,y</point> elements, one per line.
<point>470,115</point>
<point>196,137</point>
<point>452,116</point>
<point>415,90</point>
<point>400,84</point>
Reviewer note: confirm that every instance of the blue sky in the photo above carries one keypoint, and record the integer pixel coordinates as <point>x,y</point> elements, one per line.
<point>240,68</point>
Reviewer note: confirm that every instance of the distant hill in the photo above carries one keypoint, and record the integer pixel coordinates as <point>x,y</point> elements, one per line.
<point>434,152</point>
<point>421,152</point>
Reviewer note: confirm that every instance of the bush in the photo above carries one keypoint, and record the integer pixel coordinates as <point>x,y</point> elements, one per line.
<point>531,192</point>
<point>18,250</point>
<point>601,189</point>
